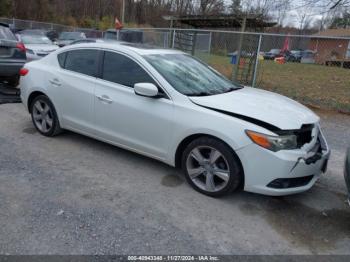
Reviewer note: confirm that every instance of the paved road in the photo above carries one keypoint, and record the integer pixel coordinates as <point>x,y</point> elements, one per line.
<point>75,195</point>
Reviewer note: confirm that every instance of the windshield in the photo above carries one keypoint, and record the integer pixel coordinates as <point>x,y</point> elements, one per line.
<point>72,36</point>
<point>189,76</point>
<point>35,39</point>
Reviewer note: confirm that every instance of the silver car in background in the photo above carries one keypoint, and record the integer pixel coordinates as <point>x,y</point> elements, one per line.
<point>37,46</point>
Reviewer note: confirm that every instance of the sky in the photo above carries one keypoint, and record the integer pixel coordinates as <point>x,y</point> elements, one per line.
<point>298,8</point>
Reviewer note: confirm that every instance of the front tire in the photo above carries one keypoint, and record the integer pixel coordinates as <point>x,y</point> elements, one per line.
<point>211,167</point>
<point>44,116</point>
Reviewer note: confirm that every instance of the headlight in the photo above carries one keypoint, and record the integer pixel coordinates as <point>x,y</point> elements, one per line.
<point>30,51</point>
<point>273,143</point>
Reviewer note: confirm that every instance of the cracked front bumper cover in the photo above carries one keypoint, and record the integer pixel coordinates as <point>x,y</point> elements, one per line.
<point>288,167</point>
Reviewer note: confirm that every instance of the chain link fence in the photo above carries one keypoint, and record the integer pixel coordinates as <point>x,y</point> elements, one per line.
<point>314,69</point>
<point>17,24</point>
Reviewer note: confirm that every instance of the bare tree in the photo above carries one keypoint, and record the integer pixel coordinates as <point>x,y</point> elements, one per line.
<point>235,6</point>
<point>211,7</point>
<point>280,10</point>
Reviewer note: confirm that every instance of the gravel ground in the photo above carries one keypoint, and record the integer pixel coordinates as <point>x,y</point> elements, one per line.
<point>75,195</point>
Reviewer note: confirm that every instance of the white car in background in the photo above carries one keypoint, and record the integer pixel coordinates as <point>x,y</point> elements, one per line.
<point>167,105</point>
<point>37,46</point>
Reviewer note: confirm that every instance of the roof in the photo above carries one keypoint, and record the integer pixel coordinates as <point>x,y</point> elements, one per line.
<point>220,21</point>
<point>124,47</point>
<point>340,32</point>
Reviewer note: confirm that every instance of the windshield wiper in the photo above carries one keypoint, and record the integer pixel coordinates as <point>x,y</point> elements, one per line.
<point>231,89</point>
<point>201,94</point>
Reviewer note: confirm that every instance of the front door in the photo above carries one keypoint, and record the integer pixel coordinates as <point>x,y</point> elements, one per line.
<point>140,123</point>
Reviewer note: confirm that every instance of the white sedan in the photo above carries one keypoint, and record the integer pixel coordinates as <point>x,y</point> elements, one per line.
<point>169,106</point>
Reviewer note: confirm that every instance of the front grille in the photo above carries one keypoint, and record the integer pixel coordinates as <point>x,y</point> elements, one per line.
<point>283,183</point>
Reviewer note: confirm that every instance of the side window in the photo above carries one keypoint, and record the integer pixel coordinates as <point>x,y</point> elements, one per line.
<point>82,61</point>
<point>62,59</point>
<point>122,70</point>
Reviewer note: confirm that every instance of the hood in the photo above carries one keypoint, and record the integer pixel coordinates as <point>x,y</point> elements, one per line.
<point>263,106</point>
<point>42,48</point>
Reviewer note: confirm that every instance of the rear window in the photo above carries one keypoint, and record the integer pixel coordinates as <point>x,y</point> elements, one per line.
<point>72,36</point>
<point>110,35</point>
<point>84,61</point>
<point>5,33</point>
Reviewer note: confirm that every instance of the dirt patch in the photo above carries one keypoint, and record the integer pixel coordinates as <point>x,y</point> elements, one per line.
<point>29,130</point>
<point>172,181</point>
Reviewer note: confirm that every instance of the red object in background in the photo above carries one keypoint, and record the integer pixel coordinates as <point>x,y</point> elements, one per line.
<point>23,72</point>
<point>118,24</point>
<point>280,60</point>
<point>286,45</point>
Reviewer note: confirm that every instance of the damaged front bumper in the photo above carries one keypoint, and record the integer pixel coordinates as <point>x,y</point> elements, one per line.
<point>287,171</point>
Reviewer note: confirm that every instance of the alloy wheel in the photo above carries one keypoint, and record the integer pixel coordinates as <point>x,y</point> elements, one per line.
<point>42,115</point>
<point>208,168</point>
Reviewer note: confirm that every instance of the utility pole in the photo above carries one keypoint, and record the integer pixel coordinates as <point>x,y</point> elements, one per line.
<point>123,12</point>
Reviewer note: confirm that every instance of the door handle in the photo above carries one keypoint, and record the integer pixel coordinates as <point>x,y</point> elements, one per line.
<point>105,99</point>
<point>55,82</point>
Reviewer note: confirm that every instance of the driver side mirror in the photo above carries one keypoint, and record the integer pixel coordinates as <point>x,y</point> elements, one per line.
<point>146,89</point>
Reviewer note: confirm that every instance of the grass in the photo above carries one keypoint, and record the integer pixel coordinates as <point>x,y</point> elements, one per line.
<point>314,85</point>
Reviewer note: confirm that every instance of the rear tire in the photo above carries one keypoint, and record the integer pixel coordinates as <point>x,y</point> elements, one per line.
<point>211,167</point>
<point>44,116</point>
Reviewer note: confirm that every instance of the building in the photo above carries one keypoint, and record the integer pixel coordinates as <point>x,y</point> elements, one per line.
<point>332,47</point>
<point>227,22</point>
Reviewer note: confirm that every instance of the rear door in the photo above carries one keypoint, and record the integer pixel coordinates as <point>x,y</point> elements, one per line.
<point>74,85</point>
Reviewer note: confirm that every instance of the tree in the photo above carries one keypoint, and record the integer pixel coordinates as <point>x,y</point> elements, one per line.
<point>208,7</point>
<point>280,8</point>
<point>5,7</point>
<point>342,21</point>
<point>236,7</point>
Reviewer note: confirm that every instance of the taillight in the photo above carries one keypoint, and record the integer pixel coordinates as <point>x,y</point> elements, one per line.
<point>21,47</point>
<point>23,72</point>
